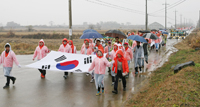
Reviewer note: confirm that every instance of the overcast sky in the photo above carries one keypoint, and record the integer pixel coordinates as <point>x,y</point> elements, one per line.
<point>40,12</point>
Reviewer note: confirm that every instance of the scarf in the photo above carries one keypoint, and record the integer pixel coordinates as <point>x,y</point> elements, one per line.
<point>41,46</point>
<point>6,53</point>
<point>72,46</point>
<point>65,45</point>
<point>126,48</point>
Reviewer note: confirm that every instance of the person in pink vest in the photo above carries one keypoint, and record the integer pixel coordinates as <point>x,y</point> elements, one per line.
<point>7,58</point>
<point>83,46</point>
<point>64,47</point>
<point>112,56</point>
<point>134,44</point>
<point>157,42</point>
<point>99,65</point>
<point>40,52</point>
<point>72,47</point>
<point>91,44</point>
<point>87,51</point>
<point>107,51</point>
<point>128,54</point>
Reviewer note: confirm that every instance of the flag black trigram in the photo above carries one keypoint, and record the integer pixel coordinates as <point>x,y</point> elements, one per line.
<point>61,58</point>
<point>46,66</point>
<point>88,60</point>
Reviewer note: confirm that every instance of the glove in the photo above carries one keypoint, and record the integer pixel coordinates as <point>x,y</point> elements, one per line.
<point>19,66</point>
<point>112,62</point>
<point>124,74</point>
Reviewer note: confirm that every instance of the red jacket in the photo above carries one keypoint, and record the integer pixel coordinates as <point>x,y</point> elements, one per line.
<point>100,47</point>
<point>124,63</point>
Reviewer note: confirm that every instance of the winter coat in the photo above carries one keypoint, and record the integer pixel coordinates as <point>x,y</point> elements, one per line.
<point>99,65</point>
<point>40,52</point>
<point>8,61</point>
<point>124,63</point>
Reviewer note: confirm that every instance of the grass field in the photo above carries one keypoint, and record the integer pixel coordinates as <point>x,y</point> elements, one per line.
<point>166,89</point>
<point>27,46</point>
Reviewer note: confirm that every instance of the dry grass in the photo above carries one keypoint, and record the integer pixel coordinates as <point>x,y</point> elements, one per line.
<point>168,89</point>
<point>27,46</point>
<point>66,32</point>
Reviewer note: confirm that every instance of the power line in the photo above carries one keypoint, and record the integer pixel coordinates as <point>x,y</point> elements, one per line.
<point>176,5</point>
<point>99,2</point>
<point>115,6</point>
<point>119,6</point>
<point>180,1</point>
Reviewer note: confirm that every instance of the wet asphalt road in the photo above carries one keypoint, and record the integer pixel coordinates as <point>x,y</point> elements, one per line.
<point>76,91</point>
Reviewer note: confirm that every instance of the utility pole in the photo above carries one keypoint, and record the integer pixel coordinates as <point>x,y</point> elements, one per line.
<point>175,19</point>
<point>165,13</point>
<point>146,18</point>
<point>199,18</point>
<point>70,20</point>
<point>184,21</point>
<point>181,21</point>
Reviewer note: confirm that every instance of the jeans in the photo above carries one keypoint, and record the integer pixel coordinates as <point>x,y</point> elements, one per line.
<point>129,63</point>
<point>157,46</point>
<point>112,72</point>
<point>119,75</point>
<point>144,59</point>
<point>99,80</point>
<point>8,80</point>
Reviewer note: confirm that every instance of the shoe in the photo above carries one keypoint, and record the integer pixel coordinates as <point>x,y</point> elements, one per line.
<point>87,74</point>
<point>98,93</point>
<point>6,86</point>
<point>147,62</point>
<point>136,72</point>
<point>120,80</point>
<point>124,89</point>
<point>42,76</point>
<point>113,83</point>
<point>156,50</point>
<point>65,76</point>
<point>102,91</point>
<point>92,80</point>
<point>14,80</point>
<point>115,92</point>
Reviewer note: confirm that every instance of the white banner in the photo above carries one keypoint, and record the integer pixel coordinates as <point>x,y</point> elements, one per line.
<point>64,62</point>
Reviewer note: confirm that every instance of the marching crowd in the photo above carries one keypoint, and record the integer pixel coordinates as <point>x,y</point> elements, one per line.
<point>118,58</point>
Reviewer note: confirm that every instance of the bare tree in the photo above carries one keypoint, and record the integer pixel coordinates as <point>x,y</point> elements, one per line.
<point>98,26</point>
<point>30,28</point>
<point>91,26</point>
<point>51,23</point>
<point>128,23</point>
<point>1,28</point>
